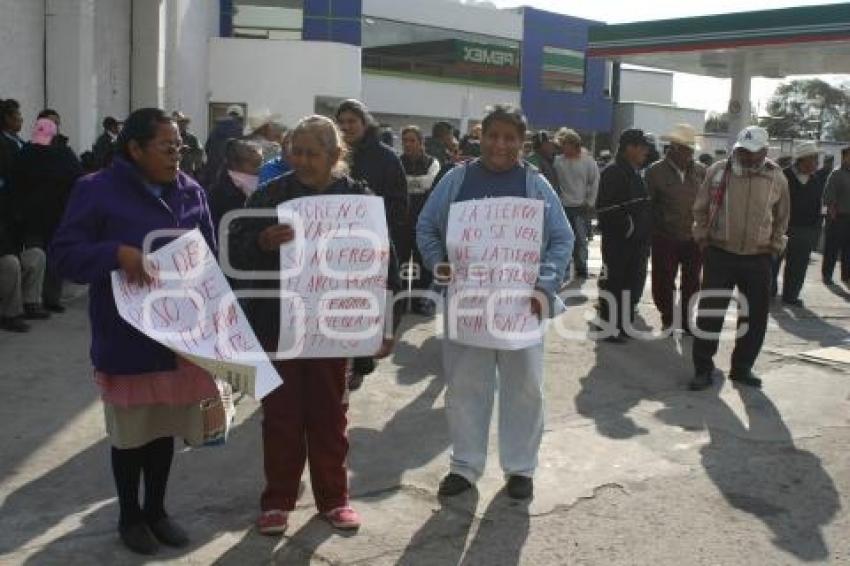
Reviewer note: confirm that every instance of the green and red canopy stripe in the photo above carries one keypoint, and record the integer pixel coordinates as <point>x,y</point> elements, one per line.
<point>769,27</point>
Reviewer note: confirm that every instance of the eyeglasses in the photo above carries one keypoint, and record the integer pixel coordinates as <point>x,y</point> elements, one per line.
<point>169,148</point>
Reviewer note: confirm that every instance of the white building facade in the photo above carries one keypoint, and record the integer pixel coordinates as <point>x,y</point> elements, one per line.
<point>409,61</point>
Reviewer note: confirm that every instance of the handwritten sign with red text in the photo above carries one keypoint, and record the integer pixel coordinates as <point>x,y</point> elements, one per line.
<point>190,308</point>
<point>333,276</point>
<point>494,249</point>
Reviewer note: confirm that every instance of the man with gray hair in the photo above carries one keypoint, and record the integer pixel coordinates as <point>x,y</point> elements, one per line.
<point>578,178</point>
<point>741,215</point>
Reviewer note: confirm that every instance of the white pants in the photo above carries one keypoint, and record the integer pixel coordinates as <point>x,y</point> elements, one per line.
<point>471,375</point>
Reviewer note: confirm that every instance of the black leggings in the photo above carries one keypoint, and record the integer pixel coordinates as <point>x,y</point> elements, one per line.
<point>154,458</point>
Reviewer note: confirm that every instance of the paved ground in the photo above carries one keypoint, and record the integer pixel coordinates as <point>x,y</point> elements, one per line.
<point>634,469</point>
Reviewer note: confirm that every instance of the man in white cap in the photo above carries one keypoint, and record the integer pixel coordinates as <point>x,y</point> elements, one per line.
<point>806,190</point>
<point>740,219</point>
<point>673,183</point>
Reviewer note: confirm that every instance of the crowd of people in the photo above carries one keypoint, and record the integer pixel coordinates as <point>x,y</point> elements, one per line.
<point>714,228</point>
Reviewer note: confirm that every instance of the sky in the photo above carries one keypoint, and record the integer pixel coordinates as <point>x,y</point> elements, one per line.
<point>688,90</point>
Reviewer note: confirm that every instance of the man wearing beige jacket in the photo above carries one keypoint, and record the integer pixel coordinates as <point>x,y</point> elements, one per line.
<point>740,218</point>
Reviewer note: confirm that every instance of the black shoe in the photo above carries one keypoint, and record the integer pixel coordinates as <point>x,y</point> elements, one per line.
<point>14,324</point>
<point>55,307</point>
<point>793,303</point>
<point>745,377</point>
<point>701,381</point>
<point>169,533</point>
<point>615,339</point>
<point>34,311</point>
<point>453,484</point>
<point>139,538</point>
<point>424,307</point>
<point>355,381</point>
<point>828,281</point>
<point>520,487</point>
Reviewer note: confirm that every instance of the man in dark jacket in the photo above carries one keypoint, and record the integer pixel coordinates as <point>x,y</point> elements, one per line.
<point>836,199</point>
<point>105,144</point>
<point>191,154</point>
<point>41,182</point>
<point>228,128</point>
<point>625,220</point>
<point>53,116</point>
<point>806,188</point>
<point>237,180</point>
<point>544,158</point>
<point>10,141</point>
<point>438,144</point>
<point>378,166</point>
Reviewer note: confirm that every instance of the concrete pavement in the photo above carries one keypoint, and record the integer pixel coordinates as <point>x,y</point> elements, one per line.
<point>634,468</point>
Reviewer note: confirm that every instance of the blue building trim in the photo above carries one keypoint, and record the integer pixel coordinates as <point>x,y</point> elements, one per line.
<point>339,21</point>
<point>590,111</point>
<point>225,19</point>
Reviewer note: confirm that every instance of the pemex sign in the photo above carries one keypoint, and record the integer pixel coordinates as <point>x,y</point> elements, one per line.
<point>489,55</point>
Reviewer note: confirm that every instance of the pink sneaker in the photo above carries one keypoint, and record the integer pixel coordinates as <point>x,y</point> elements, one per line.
<point>343,518</point>
<point>273,522</point>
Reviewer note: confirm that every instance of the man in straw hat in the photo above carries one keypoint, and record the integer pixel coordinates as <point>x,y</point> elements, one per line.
<point>740,219</point>
<point>268,132</point>
<point>673,183</point>
<point>805,187</point>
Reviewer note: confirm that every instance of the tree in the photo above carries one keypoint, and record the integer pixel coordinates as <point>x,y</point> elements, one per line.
<point>811,108</point>
<point>717,123</point>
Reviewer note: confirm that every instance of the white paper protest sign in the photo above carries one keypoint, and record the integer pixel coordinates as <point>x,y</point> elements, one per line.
<point>333,276</point>
<point>494,249</point>
<point>190,308</point>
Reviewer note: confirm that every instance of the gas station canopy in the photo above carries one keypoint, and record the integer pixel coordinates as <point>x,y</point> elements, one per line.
<point>771,43</point>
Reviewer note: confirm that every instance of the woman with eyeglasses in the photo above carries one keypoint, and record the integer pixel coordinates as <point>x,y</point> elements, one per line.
<point>149,395</point>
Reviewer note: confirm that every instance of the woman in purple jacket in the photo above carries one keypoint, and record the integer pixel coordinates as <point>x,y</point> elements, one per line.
<point>149,396</point>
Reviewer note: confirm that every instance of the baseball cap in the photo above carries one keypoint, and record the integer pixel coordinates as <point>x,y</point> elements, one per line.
<point>236,110</point>
<point>753,138</point>
<point>633,137</point>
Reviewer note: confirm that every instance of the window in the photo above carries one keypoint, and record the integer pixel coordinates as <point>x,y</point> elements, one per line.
<point>451,55</point>
<point>608,88</point>
<point>563,70</point>
<point>268,19</point>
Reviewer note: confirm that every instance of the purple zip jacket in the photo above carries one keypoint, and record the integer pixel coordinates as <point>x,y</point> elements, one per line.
<point>108,209</point>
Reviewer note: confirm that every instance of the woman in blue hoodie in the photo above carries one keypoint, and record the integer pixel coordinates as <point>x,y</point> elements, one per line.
<point>149,396</point>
